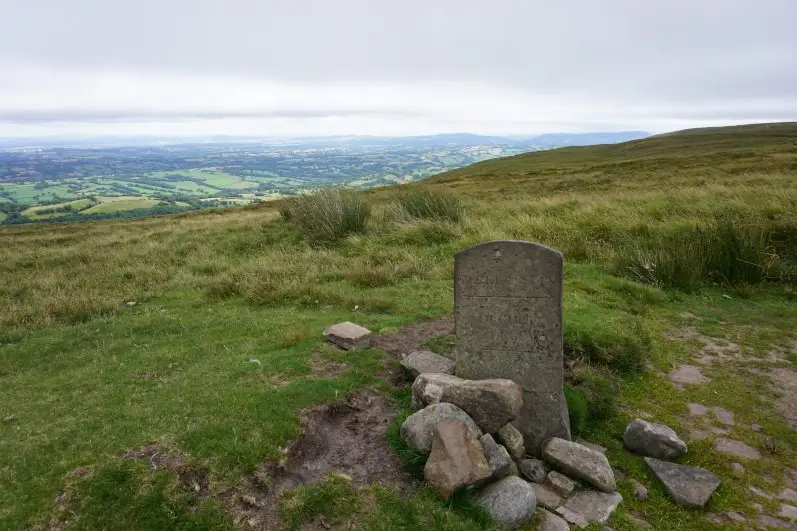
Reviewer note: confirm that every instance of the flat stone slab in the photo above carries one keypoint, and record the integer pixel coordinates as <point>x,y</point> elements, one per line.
<point>561,484</point>
<point>457,459</point>
<point>348,336</point>
<point>788,495</point>
<point>736,448</point>
<point>572,517</point>
<point>687,375</point>
<point>593,505</point>
<point>425,361</point>
<point>788,511</point>
<point>685,485</point>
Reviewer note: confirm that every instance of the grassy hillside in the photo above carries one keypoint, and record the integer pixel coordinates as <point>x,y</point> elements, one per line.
<point>694,231</point>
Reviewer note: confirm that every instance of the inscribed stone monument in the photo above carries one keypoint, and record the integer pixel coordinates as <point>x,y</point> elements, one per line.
<point>508,309</point>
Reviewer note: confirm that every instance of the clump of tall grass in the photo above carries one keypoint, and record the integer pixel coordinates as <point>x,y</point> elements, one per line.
<point>423,203</point>
<point>725,250</point>
<point>328,215</point>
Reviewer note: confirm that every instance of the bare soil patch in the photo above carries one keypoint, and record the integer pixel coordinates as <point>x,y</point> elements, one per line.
<point>348,437</point>
<point>412,337</point>
<point>158,458</point>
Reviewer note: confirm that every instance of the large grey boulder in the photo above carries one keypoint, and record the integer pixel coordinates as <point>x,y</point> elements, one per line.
<point>685,485</point>
<point>425,361</point>
<point>594,506</point>
<point>512,440</point>
<point>534,470</point>
<point>491,403</point>
<point>348,336</point>
<point>509,501</point>
<point>653,440</point>
<point>457,459</point>
<point>580,462</point>
<point>418,430</point>
<point>497,457</point>
<point>551,522</point>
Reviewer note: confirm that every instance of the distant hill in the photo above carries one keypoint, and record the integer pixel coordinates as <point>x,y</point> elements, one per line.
<point>585,139</point>
<point>691,153</point>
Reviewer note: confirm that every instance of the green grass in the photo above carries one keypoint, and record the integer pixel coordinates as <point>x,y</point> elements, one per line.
<point>89,378</point>
<point>113,204</point>
<point>328,215</point>
<point>76,206</point>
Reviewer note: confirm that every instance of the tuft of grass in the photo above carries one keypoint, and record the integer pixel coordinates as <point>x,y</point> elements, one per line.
<point>425,203</point>
<point>327,215</point>
<point>441,344</point>
<point>333,497</point>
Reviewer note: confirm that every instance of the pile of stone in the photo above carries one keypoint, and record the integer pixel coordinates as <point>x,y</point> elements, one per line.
<point>465,427</point>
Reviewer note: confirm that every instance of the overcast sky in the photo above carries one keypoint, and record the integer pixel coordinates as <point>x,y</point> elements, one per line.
<point>304,67</point>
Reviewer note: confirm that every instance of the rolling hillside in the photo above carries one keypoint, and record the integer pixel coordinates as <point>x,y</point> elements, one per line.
<point>671,244</point>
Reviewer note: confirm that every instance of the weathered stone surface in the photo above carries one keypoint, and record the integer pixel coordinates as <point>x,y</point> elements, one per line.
<point>770,521</point>
<point>736,448</point>
<point>491,403</point>
<point>417,431</point>
<point>508,310</point>
<point>546,497</point>
<point>594,506</point>
<point>457,459</point>
<point>560,483</point>
<point>348,336</point>
<point>788,495</point>
<point>687,375</point>
<point>580,462</point>
<point>509,501</point>
<point>534,470</point>
<point>788,511</point>
<point>551,522</point>
<point>424,361</point>
<point>512,440</point>
<point>639,522</point>
<point>737,469</point>
<point>572,517</point>
<point>686,485</point>
<point>592,446</point>
<point>640,491</point>
<point>653,440</point>
<point>497,457</point>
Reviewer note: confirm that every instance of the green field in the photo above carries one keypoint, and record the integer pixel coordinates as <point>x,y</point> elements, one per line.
<point>669,243</point>
<point>120,204</point>
<point>76,205</point>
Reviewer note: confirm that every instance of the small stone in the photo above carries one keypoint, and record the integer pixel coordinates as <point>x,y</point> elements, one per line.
<point>637,521</point>
<point>736,448</point>
<point>348,336</point>
<point>560,483</point>
<point>572,517</point>
<point>130,304</point>
<point>640,491</point>
<point>685,485</point>
<point>551,522</point>
<point>737,469</point>
<point>788,495</point>
<point>249,500</point>
<point>580,462</point>
<point>490,403</point>
<point>770,521</point>
<point>756,427</point>
<point>10,418</point>
<point>509,501</point>
<point>534,470</point>
<point>512,440</point>
<point>759,492</point>
<point>457,459</point>
<point>546,497</point>
<point>735,517</point>
<point>418,430</point>
<point>687,375</point>
<point>723,415</point>
<point>758,507</point>
<point>788,511</point>
<point>593,505</point>
<point>497,457</point>
<point>653,440</point>
<point>424,361</point>
<point>697,409</point>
